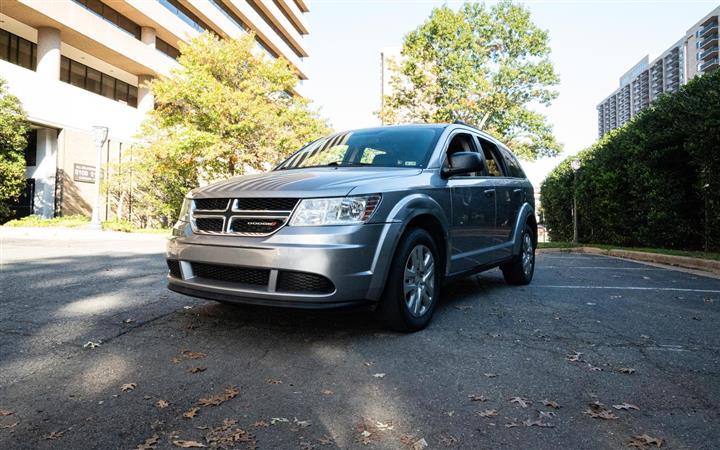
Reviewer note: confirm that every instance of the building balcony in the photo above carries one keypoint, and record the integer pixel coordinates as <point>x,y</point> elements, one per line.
<point>709,65</point>
<point>706,29</point>
<point>707,41</point>
<point>712,51</point>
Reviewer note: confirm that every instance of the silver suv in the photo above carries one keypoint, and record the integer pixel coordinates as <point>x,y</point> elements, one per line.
<point>379,217</point>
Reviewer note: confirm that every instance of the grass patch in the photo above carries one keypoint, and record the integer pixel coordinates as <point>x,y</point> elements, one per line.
<point>79,221</point>
<point>662,251</point>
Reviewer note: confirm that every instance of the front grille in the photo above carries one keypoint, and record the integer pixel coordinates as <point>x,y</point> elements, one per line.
<point>303,282</point>
<point>212,204</point>
<point>232,274</point>
<point>255,225</point>
<point>210,224</point>
<point>265,204</point>
<point>174,267</point>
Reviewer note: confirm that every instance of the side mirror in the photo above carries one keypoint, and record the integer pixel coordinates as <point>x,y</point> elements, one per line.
<point>463,162</point>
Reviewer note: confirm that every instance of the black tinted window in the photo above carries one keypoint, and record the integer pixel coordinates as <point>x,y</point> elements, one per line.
<point>512,164</point>
<point>380,147</point>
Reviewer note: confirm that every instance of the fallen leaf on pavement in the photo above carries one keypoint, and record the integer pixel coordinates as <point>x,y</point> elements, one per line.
<point>197,369</point>
<point>326,440</point>
<point>598,411</point>
<point>228,436</point>
<point>92,344</point>
<point>573,357</point>
<point>188,444</point>
<point>537,423</point>
<point>327,392</point>
<point>302,423</point>
<point>626,370</point>
<point>448,440</point>
<point>488,413</point>
<point>5,412</point>
<point>490,375</point>
<point>462,307</point>
<point>626,407</point>
<point>229,393</point>
<point>272,381</point>
<point>512,424</point>
<point>261,424</point>
<point>193,355</point>
<point>128,320</point>
<point>523,402</point>
<point>420,444</point>
<point>381,426</point>
<point>128,387</point>
<point>190,413</point>
<point>11,425</point>
<point>54,435</point>
<point>551,404</point>
<point>644,440</point>
<point>149,444</point>
<point>275,420</point>
<point>477,398</point>
<point>162,404</point>
<point>379,375</point>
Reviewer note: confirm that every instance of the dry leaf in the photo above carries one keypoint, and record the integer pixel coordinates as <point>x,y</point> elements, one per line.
<point>448,440</point>
<point>626,407</point>
<point>92,344</point>
<point>302,423</point>
<point>271,381</point>
<point>197,369</point>
<point>545,414</point>
<point>488,413</point>
<point>54,435</point>
<point>188,444</point>
<point>12,425</point>
<point>193,355</point>
<point>512,424</point>
<point>551,404</point>
<point>5,412</point>
<point>190,413</point>
<point>229,393</point>
<point>326,440</point>
<point>644,440</point>
<point>604,414</point>
<point>523,402</point>
<point>162,404</point>
<point>261,424</point>
<point>573,357</point>
<point>626,370</point>
<point>490,375</point>
<point>128,387</point>
<point>462,307</point>
<point>420,444</point>
<point>537,423</point>
<point>327,392</point>
<point>379,375</point>
<point>149,444</point>
<point>227,436</point>
<point>477,398</point>
<point>275,420</point>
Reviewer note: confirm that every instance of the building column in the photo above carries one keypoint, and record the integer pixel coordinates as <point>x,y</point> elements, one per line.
<point>147,36</point>
<point>45,172</point>
<point>48,53</point>
<point>146,99</point>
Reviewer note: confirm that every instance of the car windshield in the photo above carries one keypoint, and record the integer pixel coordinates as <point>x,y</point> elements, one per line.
<point>377,147</point>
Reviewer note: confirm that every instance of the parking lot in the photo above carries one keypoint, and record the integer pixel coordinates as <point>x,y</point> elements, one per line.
<point>95,352</point>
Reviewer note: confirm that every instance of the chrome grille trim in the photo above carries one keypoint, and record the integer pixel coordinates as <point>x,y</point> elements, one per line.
<point>231,214</point>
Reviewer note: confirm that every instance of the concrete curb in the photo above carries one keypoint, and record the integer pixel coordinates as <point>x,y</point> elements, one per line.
<point>706,265</point>
<point>75,234</point>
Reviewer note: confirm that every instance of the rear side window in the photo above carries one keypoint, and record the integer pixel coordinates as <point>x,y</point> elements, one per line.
<point>492,158</point>
<point>512,164</point>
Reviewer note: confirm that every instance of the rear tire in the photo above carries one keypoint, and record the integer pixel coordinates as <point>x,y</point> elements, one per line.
<point>520,271</point>
<point>413,284</point>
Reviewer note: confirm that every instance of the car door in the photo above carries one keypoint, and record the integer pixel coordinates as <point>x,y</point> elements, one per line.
<point>473,211</point>
<point>509,198</point>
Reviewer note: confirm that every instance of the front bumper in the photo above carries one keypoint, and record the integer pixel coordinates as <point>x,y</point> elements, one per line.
<point>354,258</point>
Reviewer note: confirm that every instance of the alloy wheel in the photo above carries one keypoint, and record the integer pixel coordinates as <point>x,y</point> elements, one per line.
<point>419,280</point>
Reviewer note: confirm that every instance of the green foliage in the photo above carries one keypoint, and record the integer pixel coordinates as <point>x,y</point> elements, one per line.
<point>74,221</point>
<point>226,110</point>
<point>654,182</point>
<point>13,130</point>
<point>481,65</point>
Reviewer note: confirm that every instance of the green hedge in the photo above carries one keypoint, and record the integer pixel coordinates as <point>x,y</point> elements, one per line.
<point>655,182</point>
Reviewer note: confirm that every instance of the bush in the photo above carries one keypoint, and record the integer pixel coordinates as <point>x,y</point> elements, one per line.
<point>654,182</point>
<point>13,127</point>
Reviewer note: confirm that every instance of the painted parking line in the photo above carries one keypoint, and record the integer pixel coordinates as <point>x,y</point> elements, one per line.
<point>628,288</point>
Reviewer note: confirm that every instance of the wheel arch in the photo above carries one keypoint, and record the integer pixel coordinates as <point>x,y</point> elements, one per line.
<point>526,216</point>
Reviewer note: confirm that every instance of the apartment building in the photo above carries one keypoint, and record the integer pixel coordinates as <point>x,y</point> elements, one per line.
<point>75,64</point>
<point>695,54</point>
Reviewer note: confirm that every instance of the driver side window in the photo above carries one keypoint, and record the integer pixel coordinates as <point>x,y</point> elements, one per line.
<point>461,142</point>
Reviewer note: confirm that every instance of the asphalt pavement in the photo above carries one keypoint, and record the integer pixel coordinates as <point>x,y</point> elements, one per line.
<point>95,353</point>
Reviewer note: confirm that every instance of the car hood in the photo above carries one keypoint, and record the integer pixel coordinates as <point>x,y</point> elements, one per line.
<point>304,183</point>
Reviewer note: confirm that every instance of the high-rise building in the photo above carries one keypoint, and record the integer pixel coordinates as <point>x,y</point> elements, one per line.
<point>75,64</point>
<point>695,54</point>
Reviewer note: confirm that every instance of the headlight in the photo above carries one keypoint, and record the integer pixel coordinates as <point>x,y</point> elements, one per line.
<point>334,211</point>
<point>185,210</point>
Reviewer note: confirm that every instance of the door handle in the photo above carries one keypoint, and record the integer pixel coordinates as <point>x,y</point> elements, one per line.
<point>517,191</point>
<point>489,192</point>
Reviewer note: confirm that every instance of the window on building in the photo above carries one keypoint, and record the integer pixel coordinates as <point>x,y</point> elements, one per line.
<point>31,148</point>
<point>93,80</point>
<point>112,16</point>
<point>272,25</point>
<point>185,14</point>
<point>166,48</point>
<point>17,50</point>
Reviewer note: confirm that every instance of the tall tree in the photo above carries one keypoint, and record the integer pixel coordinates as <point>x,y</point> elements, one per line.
<point>228,108</point>
<point>488,66</point>
<point>13,130</point>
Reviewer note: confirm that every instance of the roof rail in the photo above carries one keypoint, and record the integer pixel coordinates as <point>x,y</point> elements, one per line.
<point>460,122</point>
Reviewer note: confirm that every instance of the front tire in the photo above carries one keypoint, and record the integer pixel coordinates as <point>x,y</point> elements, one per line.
<point>520,271</point>
<point>413,284</point>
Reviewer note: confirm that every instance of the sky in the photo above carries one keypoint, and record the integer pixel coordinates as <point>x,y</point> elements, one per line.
<point>593,43</point>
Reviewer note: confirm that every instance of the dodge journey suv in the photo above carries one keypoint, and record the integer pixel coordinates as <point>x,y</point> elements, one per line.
<point>379,217</point>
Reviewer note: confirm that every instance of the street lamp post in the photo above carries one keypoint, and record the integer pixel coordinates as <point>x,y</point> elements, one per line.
<point>100,135</point>
<point>575,167</point>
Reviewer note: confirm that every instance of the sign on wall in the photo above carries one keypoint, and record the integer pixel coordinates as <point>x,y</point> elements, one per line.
<point>84,173</point>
